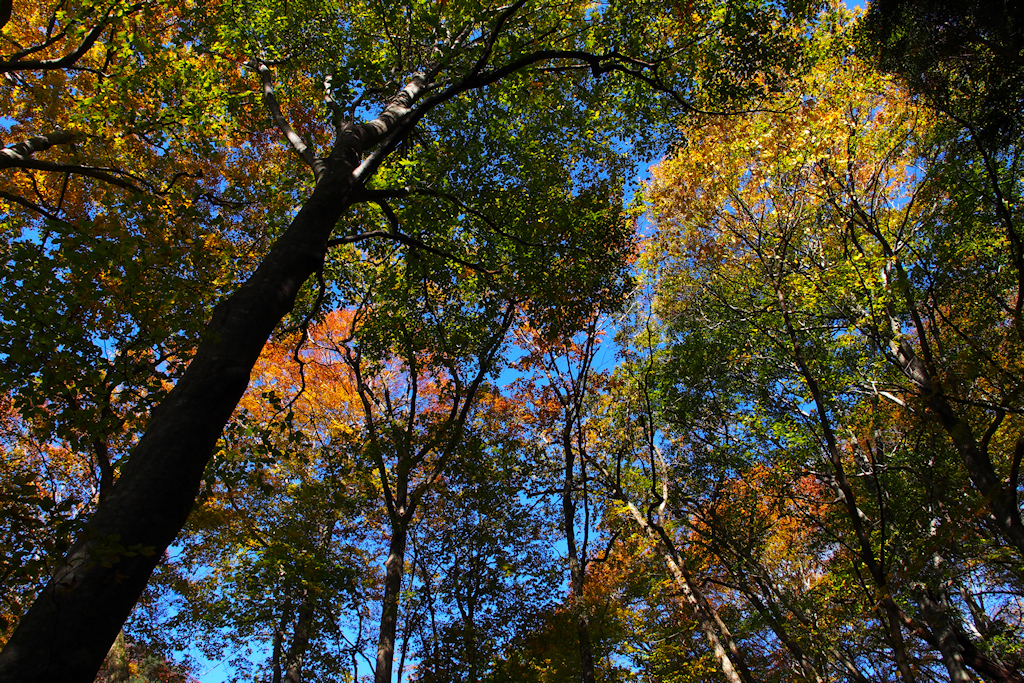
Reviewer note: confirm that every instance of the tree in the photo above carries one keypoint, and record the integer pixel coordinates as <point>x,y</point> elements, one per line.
<point>419,367</point>
<point>484,558</point>
<point>559,389</point>
<point>970,74</point>
<point>442,80</point>
<point>278,557</point>
<point>965,61</point>
<point>809,294</point>
<point>129,663</point>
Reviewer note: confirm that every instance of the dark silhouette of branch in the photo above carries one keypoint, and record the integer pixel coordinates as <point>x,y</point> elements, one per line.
<point>67,61</point>
<point>5,11</point>
<point>32,206</point>
<point>407,240</point>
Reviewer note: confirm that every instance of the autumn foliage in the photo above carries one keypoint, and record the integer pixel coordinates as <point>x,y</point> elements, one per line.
<point>338,342</point>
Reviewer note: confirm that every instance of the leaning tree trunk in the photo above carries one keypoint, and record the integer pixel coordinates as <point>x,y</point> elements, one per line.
<point>707,617</point>
<point>69,628</point>
<point>71,625</point>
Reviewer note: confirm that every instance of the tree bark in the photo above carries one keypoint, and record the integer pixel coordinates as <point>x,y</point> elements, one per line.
<point>394,570</point>
<point>300,641</point>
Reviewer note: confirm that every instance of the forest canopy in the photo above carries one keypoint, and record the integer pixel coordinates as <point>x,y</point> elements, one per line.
<point>344,342</point>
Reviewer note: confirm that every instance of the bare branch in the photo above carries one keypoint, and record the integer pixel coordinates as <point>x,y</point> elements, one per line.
<point>407,240</point>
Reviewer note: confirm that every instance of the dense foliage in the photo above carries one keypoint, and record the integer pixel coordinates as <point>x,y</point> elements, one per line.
<point>338,343</point>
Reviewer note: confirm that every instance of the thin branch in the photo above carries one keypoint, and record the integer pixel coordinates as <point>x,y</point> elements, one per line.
<point>440,194</point>
<point>178,176</point>
<point>986,438</point>
<point>32,206</point>
<point>304,337</point>
<point>399,119</point>
<point>407,240</point>
<point>498,25</point>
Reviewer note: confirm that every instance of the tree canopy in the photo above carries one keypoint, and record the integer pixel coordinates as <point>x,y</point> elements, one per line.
<point>338,341</point>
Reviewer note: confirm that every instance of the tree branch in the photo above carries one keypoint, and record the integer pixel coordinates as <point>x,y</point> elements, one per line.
<point>400,110</point>
<point>23,150</point>
<point>105,174</point>
<point>68,60</point>
<point>407,240</point>
<point>489,45</point>
<point>1014,477</point>
<point>32,206</point>
<point>20,155</point>
<point>372,195</point>
<point>398,113</point>
<point>294,139</point>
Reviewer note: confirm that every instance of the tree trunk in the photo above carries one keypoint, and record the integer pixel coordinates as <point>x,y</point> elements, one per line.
<point>587,674</point>
<point>923,372</point>
<point>947,644</point>
<point>394,569</point>
<point>891,614</point>
<point>70,627</point>
<point>707,617</point>
<point>578,578</point>
<point>772,616</point>
<point>577,570</point>
<point>300,643</point>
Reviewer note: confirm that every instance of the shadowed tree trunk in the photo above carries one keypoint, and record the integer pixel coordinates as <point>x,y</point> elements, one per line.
<point>394,570</point>
<point>69,628</point>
